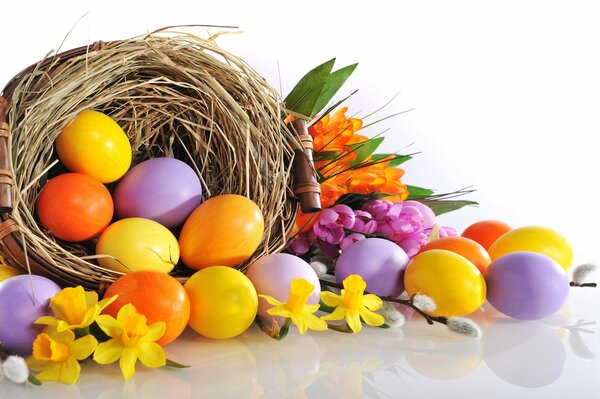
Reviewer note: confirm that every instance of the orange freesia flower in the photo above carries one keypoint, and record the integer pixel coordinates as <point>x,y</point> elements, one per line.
<point>330,193</point>
<point>304,222</point>
<point>334,132</point>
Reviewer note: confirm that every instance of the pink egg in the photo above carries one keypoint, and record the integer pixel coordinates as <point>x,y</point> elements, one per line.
<point>23,299</point>
<point>273,274</point>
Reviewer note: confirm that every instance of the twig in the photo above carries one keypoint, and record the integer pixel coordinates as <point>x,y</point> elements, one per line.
<point>583,285</point>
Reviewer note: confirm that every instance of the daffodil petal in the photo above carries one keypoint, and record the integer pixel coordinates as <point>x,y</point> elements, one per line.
<point>108,352</point>
<point>83,347</point>
<point>331,299</point>
<point>63,326</point>
<point>156,331</point>
<point>311,308</point>
<point>126,312</point>
<point>70,370</point>
<point>127,363</point>
<point>50,373</point>
<point>299,322</point>
<point>152,355</point>
<point>109,325</point>
<point>353,320</point>
<point>91,299</point>
<point>371,318</point>
<point>90,316</point>
<point>47,320</point>
<point>372,302</point>
<point>64,337</point>
<point>313,322</point>
<point>338,314</point>
<point>36,364</point>
<point>271,300</point>
<point>279,311</point>
<point>107,302</point>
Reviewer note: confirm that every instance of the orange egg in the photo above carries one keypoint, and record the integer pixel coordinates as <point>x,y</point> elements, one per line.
<point>486,232</point>
<point>465,247</point>
<point>224,231</point>
<point>157,296</point>
<point>74,207</point>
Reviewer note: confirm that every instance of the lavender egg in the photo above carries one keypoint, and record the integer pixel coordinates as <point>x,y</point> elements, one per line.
<point>19,309</point>
<point>165,190</point>
<point>526,285</point>
<point>273,274</point>
<point>381,263</point>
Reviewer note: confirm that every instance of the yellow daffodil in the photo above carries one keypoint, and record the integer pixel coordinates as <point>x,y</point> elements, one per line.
<point>74,308</point>
<point>56,355</point>
<point>131,339</point>
<point>353,305</point>
<point>296,308</point>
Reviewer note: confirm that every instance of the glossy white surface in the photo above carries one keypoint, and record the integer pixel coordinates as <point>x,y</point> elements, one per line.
<point>554,358</point>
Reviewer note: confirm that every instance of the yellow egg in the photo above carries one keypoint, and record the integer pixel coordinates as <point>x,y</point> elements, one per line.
<point>138,244</point>
<point>223,302</point>
<point>95,145</point>
<point>455,284</point>
<point>534,239</point>
<point>7,272</point>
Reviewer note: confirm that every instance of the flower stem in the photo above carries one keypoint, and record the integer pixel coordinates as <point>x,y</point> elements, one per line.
<point>340,328</point>
<point>430,319</point>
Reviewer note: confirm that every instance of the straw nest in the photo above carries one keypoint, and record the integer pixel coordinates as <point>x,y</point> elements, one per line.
<point>175,95</point>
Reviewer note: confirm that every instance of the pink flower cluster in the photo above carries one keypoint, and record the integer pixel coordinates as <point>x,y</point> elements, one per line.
<point>408,224</point>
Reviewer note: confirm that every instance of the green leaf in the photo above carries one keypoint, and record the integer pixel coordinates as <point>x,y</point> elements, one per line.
<point>335,81</point>
<point>441,207</point>
<point>418,192</point>
<point>304,95</point>
<point>396,161</point>
<point>364,149</point>
<point>326,155</point>
<point>176,365</point>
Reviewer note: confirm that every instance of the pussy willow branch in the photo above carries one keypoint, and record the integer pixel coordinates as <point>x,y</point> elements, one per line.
<point>430,319</point>
<point>581,285</point>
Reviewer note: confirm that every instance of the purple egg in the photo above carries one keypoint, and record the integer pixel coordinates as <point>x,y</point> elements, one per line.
<point>165,190</point>
<point>381,263</point>
<point>273,274</point>
<point>18,310</point>
<point>526,285</point>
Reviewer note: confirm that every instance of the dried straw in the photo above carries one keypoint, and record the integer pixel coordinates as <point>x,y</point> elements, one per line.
<point>175,95</point>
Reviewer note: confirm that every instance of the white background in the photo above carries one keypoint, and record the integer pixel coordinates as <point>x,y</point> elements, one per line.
<point>506,93</point>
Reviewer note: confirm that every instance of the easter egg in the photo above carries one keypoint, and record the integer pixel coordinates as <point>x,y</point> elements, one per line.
<point>272,275</point>
<point>223,302</point>
<point>138,244</point>
<point>165,190</point>
<point>526,285</point>
<point>465,247</point>
<point>8,272</point>
<point>157,296</point>
<point>381,263</point>
<point>534,239</point>
<point>23,299</point>
<point>455,284</point>
<point>74,207</point>
<point>95,145</point>
<point>486,232</point>
<point>224,230</point>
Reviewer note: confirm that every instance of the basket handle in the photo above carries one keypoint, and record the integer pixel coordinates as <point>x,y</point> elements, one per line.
<point>306,187</point>
<point>6,175</point>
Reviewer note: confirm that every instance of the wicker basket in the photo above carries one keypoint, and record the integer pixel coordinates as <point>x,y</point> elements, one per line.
<point>239,109</point>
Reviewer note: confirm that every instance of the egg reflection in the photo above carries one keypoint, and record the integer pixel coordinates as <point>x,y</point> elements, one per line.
<point>526,354</point>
